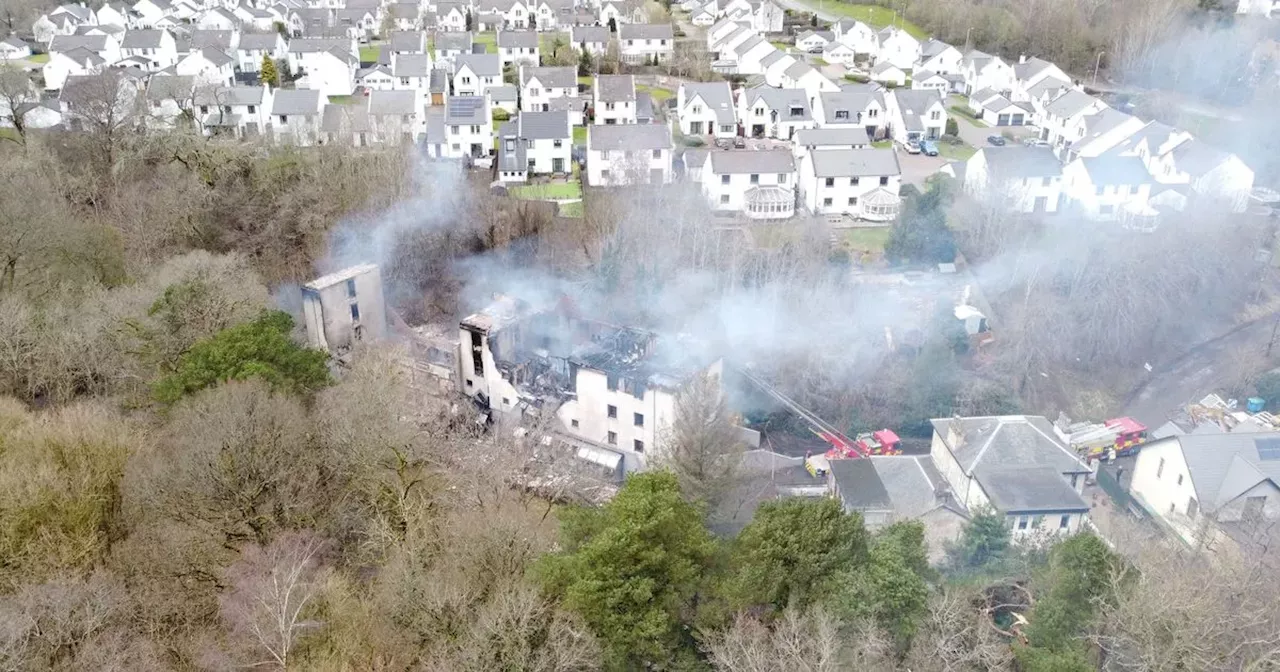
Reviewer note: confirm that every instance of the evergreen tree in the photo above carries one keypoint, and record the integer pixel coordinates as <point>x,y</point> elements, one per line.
<point>269,74</point>
<point>585,63</point>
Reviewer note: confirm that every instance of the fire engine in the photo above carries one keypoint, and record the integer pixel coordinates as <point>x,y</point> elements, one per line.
<point>1116,437</point>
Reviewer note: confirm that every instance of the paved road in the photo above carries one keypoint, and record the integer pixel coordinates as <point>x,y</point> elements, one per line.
<point>1204,369</point>
<point>916,168</point>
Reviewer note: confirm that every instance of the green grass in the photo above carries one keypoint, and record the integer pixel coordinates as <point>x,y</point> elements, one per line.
<point>574,209</point>
<point>781,45</point>
<point>369,53</point>
<point>820,61</point>
<point>883,144</point>
<point>865,239</point>
<point>966,115</point>
<point>489,40</point>
<point>545,40</point>
<point>341,100</point>
<point>539,192</point>
<point>586,80</point>
<point>580,135</point>
<point>960,152</point>
<point>658,94</point>
<point>872,15</point>
<point>39,58</point>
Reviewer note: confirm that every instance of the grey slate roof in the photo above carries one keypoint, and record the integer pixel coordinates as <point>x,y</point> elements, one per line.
<point>914,485</point>
<point>174,87</point>
<point>504,93</point>
<point>781,100</point>
<point>615,88</point>
<point>1223,466</point>
<point>365,72</point>
<point>296,101</point>
<point>644,107</point>
<point>797,70</point>
<point>551,77</point>
<point>142,39</point>
<point>931,47</point>
<point>252,41</point>
<point>851,100</point>
<point>216,56</point>
<point>855,163</point>
<point>1018,162</point>
<point>1032,490</point>
<point>217,39</point>
<point>752,162</point>
<point>513,156</point>
<point>1070,103</point>
<point>435,125</point>
<point>63,43</point>
<point>411,65</point>
<point>484,65</point>
<point>883,67</point>
<point>413,41</point>
<point>517,39</point>
<point>917,101</point>
<point>860,486</point>
<point>628,136</point>
<point>773,57</point>
<point>715,95</point>
<point>1032,67</point>
<point>646,31</point>
<point>464,110</point>
<point>392,102</point>
<point>589,34</point>
<point>344,119</point>
<point>996,442</point>
<point>694,158</point>
<point>1116,170</point>
<point>543,125</point>
<point>1197,158</point>
<point>310,45</point>
<point>453,41</point>
<point>439,82</point>
<point>747,45</point>
<point>848,136</point>
<point>228,95</point>
<point>824,34</point>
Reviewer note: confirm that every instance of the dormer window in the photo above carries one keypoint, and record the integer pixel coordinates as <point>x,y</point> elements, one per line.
<point>842,114</point>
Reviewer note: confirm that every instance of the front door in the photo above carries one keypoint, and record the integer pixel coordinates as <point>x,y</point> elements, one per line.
<point>557,165</point>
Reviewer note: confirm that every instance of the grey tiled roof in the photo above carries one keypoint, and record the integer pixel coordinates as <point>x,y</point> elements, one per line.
<point>543,125</point>
<point>1019,162</point>
<point>715,95</point>
<point>1030,490</point>
<point>517,39</point>
<point>255,41</point>
<point>392,102</point>
<point>752,162</point>
<point>550,77</point>
<point>229,95</point>
<point>855,163</point>
<point>1116,170</point>
<point>859,485</point>
<point>142,39</point>
<point>414,41</point>
<point>628,136</point>
<point>453,41</point>
<point>296,101</point>
<point>484,65</point>
<point>833,136</point>
<point>645,31</point>
<point>1022,441</point>
<point>615,88</point>
<point>411,65</point>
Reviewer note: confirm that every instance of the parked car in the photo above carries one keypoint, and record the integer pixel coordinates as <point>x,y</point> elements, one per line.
<point>724,143</point>
<point>929,147</point>
<point>815,50</point>
<point>739,142</point>
<point>913,146</point>
<point>996,140</point>
<point>1035,142</point>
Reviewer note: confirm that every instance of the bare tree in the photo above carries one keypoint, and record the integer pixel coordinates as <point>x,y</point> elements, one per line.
<point>106,107</point>
<point>703,447</point>
<point>270,591</point>
<point>16,93</point>
<point>957,636</point>
<point>808,642</point>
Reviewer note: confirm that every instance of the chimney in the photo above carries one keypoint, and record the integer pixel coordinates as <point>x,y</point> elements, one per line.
<point>1022,58</point>
<point>955,432</point>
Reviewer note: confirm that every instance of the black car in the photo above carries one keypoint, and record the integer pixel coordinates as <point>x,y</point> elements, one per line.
<point>996,140</point>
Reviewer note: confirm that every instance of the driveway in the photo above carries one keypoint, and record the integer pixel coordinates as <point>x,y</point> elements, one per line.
<point>916,168</point>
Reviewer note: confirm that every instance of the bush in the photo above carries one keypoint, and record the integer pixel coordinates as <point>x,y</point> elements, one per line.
<point>861,79</point>
<point>953,127</point>
<point>500,114</point>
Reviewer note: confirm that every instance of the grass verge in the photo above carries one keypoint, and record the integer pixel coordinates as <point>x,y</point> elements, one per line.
<point>549,191</point>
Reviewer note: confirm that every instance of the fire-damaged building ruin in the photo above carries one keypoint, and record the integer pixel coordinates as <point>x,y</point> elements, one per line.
<point>611,388</point>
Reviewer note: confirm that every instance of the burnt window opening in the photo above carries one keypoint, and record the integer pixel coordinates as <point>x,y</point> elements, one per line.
<point>639,446</point>
<point>639,419</point>
<point>477,354</point>
<point>613,411</point>
<point>355,312</point>
<point>611,381</point>
<point>613,438</point>
<point>351,288</point>
<point>573,424</point>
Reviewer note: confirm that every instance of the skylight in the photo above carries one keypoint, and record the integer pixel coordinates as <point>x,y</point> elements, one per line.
<point>1268,449</point>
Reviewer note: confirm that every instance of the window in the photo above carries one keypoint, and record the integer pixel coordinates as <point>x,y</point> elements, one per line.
<point>284,118</point>
<point>1046,181</point>
<point>662,42</point>
<point>697,109</point>
<point>533,92</point>
<point>1099,191</point>
<point>935,115</point>
<point>557,143</point>
<point>724,179</point>
<point>759,111</point>
<point>638,445</point>
<point>1192,507</point>
<point>842,114</point>
<point>724,199</point>
<point>826,202</point>
<point>782,178</point>
<point>755,178</point>
<point>657,153</point>
<point>475,129</point>
<point>613,438</point>
<point>471,383</point>
<point>466,80</point>
<point>1064,522</point>
<point>506,401</point>
<point>573,424</point>
<point>853,181</point>
<point>726,128</point>
<point>613,411</point>
<point>251,109</point>
<point>608,106</point>
<point>351,288</point>
<point>1022,522</point>
<point>611,382</point>
<point>355,311</point>
<point>456,130</point>
<point>884,181</point>
<point>831,182</point>
<point>204,109</point>
<point>1160,468</point>
<point>1179,479</point>
<point>853,200</point>
<point>873,112</point>
<point>638,419</point>
<point>797,111</point>
<point>631,43</point>
<point>404,81</point>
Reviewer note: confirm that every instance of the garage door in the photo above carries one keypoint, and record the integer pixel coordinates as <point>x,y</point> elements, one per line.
<point>1017,120</point>
<point>1002,120</point>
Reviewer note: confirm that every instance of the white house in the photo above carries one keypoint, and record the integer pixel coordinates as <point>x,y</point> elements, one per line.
<point>813,41</point>
<point>539,85</point>
<point>887,73</point>
<point>78,55</point>
<point>764,111</point>
<point>210,66</point>
<point>331,72</point>
<point>1059,120</point>
<point>859,36</point>
<point>759,185</point>
<point>12,48</point>
<point>750,55</point>
<point>61,21</point>
<point>254,47</point>
<point>449,46</point>
<point>839,52</point>
<point>411,72</point>
<point>1100,132</point>
<point>1017,178</point>
<point>916,115</point>
<point>168,100</point>
<point>706,109</point>
<point>984,71</point>
<point>518,47</point>
<point>996,110</point>
<point>614,99</point>
<point>897,47</point>
<point>621,12</point>
<point>516,14</point>
<point>218,19</point>
<point>1032,76</point>
<point>295,115</point>
<point>451,17</point>
<point>242,111</point>
<point>620,154</point>
<point>643,43</point>
<point>801,75</point>
<point>116,14</point>
<point>1212,489</point>
<point>939,57</point>
<point>853,106</point>
<point>593,39</point>
<point>407,42</point>
<point>860,183</point>
<point>1016,466</point>
<point>928,79</point>
<point>473,74</point>
<point>468,125</point>
<point>821,139</point>
<point>1109,187</point>
<point>377,78</point>
<point>301,49</point>
<point>535,143</point>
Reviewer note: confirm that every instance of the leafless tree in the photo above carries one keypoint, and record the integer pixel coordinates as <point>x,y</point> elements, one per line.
<point>106,107</point>
<point>808,642</point>
<point>957,636</point>
<point>16,92</point>
<point>270,591</point>
<point>703,448</point>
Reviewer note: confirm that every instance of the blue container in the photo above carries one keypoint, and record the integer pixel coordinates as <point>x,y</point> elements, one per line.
<point>1256,404</point>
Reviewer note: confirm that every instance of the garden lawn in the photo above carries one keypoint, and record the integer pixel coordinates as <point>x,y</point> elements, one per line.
<point>369,53</point>
<point>872,15</point>
<point>960,152</point>
<point>965,115</point>
<point>659,95</point>
<point>39,58</point>
<point>573,209</point>
<point>549,191</point>
<point>489,40</point>
<point>868,239</point>
<point>580,135</point>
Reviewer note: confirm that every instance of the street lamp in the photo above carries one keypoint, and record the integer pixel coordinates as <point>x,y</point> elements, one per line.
<point>1096,62</point>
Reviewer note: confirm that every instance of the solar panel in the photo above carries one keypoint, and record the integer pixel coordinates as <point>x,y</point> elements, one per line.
<point>1268,449</point>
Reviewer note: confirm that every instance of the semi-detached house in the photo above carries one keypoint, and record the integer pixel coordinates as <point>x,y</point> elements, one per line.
<point>295,115</point>
<point>518,47</point>
<point>473,74</point>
